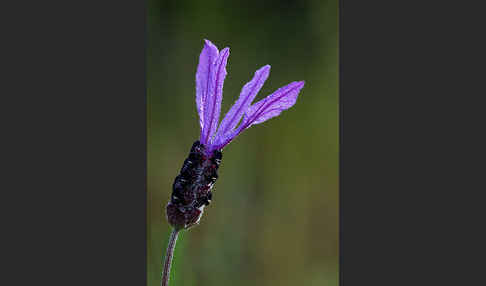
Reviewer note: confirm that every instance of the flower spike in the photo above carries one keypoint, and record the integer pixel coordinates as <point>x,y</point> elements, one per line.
<point>191,190</point>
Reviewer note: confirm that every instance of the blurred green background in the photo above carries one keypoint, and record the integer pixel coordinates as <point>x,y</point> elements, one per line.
<point>273,219</point>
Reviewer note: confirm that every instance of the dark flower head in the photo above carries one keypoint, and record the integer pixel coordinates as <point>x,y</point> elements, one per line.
<point>191,190</point>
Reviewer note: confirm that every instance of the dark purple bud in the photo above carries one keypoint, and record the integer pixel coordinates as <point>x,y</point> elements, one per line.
<point>191,190</point>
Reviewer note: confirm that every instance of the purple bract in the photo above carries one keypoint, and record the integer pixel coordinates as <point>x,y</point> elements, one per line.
<point>210,76</point>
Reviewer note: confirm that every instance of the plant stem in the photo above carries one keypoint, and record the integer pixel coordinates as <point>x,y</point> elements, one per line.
<point>168,257</point>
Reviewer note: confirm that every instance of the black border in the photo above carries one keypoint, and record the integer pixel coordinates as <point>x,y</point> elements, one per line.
<point>77,158</point>
<point>408,142</point>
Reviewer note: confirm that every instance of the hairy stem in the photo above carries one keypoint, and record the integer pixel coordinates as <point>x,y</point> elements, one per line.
<point>168,257</point>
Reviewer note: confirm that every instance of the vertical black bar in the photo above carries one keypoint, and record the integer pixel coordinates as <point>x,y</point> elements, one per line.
<point>409,141</point>
<point>77,75</point>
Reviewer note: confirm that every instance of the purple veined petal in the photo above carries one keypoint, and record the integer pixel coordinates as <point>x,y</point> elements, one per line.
<point>212,106</point>
<point>207,59</point>
<point>271,106</point>
<point>247,95</point>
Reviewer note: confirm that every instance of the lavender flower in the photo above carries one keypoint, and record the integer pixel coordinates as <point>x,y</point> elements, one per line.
<point>192,187</point>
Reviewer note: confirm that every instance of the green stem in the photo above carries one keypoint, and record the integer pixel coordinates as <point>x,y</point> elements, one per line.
<point>168,257</point>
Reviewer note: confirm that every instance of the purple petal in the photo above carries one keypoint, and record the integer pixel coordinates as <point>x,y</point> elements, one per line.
<point>248,93</point>
<point>208,57</point>
<point>212,106</point>
<point>271,106</point>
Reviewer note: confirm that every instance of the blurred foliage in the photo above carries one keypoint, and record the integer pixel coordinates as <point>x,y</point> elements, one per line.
<point>274,214</point>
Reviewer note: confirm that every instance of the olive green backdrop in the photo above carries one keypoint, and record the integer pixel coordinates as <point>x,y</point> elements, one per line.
<point>274,215</point>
